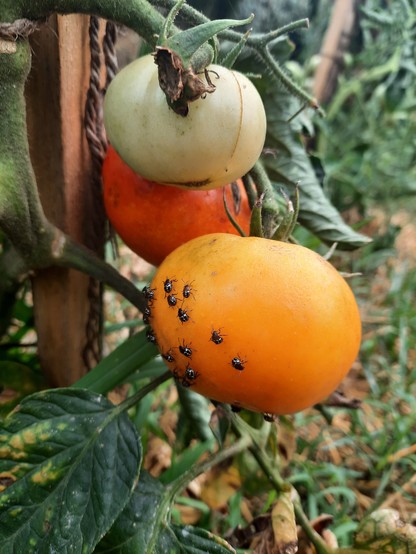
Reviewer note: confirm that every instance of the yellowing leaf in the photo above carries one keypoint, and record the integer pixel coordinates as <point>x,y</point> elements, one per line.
<point>220,488</point>
<point>284,525</point>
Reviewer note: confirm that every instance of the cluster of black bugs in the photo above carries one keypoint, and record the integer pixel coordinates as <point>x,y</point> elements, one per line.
<point>149,295</point>
<point>173,296</point>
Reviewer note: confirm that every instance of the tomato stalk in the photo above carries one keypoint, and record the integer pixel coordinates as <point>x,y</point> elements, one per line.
<point>289,220</point>
<point>36,242</point>
<point>240,428</point>
<point>183,480</point>
<point>266,209</point>
<point>259,43</point>
<point>179,59</point>
<point>138,15</point>
<point>229,214</point>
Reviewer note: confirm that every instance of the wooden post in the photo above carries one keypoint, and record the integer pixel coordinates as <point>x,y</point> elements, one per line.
<point>335,43</point>
<point>66,302</point>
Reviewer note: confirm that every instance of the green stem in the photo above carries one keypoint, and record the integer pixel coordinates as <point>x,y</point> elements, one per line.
<point>229,214</point>
<point>269,207</point>
<point>256,222</point>
<point>133,400</point>
<point>262,39</point>
<point>139,15</point>
<point>275,69</point>
<point>21,215</point>
<point>239,428</point>
<point>250,190</point>
<point>320,546</point>
<point>36,242</point>
<point>289,220</point>
<point>73,255</point>
<point>258,43</point>
<point>183,480</point>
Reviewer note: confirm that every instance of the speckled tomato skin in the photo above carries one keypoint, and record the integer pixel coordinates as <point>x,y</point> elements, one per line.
<point>283,312</point>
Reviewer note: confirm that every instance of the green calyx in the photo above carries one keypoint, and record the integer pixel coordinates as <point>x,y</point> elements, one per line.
<point>186,43</point>
<point>180,58</point>
<point>267,219</point>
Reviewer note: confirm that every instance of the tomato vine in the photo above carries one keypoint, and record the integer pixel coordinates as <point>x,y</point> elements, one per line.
<point>35,242</point>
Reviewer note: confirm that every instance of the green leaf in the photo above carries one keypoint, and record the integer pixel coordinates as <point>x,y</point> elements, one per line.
<point>72,459</point>
<point>195,414</point>
<point>220,424</point>
<point>186,43</point>
<point>119,365</point>
<point>143,527</point>
<point>291,165</point>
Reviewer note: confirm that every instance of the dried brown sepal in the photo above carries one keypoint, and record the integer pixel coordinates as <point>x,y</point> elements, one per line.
<point>180,85</point>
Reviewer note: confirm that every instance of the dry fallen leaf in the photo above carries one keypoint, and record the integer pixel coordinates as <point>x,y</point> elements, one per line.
<point>220,487</point>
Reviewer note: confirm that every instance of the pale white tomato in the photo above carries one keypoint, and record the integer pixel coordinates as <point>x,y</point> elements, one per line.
<point>219,140</point>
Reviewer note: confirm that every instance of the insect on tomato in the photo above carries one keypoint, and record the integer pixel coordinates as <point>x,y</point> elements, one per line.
<point>286,345</point>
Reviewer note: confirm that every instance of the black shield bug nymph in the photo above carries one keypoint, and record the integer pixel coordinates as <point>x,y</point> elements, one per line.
<point>238,363</point>
<point>168,357</point>
<point>149,294</point>
<point>217,337</point>
<point>185,350</point>
<point>187,291</point>
<point>190,373</point>
<point>150,335</point>
<point>172,301</point>
<point>168,285</point>
<point>183,315</point>
<point>146,315</point>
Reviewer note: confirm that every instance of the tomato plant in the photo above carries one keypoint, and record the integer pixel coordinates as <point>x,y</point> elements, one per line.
<point>217,142</point>
<point>154,219</point>
<point>259,324</point>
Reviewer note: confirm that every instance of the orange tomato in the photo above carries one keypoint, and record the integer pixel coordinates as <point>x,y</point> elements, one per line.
<point>259,324</point>
<point>154,219</point>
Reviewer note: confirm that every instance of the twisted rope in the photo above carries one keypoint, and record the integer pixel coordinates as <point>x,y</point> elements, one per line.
<point>110,54</point>
<point>97,141</point>
<point>21,28</point>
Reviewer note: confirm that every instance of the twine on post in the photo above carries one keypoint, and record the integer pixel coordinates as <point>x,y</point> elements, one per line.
<point>97,141</point>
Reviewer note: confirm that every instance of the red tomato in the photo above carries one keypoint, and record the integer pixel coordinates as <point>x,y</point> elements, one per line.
<point>154,219</point>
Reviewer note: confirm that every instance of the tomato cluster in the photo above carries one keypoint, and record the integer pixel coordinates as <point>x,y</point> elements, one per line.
<point>263,325</point>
